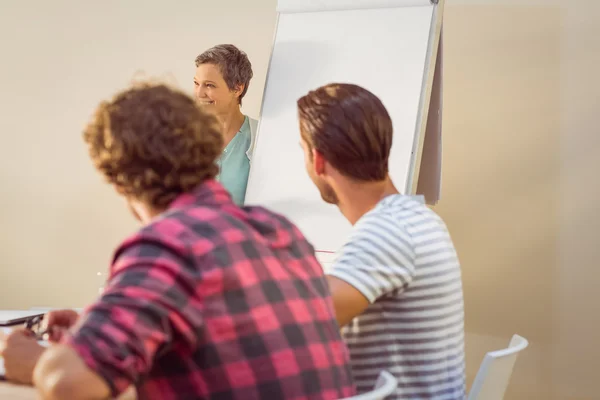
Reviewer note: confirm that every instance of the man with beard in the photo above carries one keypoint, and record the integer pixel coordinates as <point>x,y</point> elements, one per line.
<point>396,282</point>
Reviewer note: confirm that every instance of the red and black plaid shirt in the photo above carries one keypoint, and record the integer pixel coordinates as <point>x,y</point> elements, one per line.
<point>213,300</point>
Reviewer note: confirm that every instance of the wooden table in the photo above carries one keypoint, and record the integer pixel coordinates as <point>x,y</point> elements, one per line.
<point>16,392</point>
<point>19,392</point>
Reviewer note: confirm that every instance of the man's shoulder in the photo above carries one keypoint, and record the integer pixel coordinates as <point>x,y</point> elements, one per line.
<point>270,217</point>
<point>402,214</point>
<point>385,231</point>
<point>209,223</point>
<point>149,242</point>
<point>253,209</point>
<point>279,230</point>
<point>380,222</point>
<point>173,232</point>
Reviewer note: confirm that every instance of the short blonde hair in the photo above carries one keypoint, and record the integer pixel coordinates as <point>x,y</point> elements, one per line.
<point>233,64</point>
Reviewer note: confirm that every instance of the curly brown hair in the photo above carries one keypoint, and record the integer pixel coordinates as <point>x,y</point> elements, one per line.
<point>153,143</point>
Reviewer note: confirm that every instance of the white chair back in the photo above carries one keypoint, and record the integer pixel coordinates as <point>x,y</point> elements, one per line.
<point>495,371</point>
<point>386,385</point>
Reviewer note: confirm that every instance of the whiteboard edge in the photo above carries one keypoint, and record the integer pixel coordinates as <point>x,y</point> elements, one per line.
<point>262,102</point>
<point>430,61</point>
<point>347,6</point>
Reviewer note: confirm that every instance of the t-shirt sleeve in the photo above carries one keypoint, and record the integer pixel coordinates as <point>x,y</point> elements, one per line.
<point>146,307</point>
<point>378,258</point>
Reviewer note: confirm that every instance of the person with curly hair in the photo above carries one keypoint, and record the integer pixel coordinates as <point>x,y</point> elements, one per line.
<point>223,74</point>
<point>207,299</point>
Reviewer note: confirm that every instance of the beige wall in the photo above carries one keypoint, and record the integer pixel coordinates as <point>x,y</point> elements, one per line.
<point>520,190</point>
<point>58,59</point>
<point>501,166</point>
<point>520,158</point>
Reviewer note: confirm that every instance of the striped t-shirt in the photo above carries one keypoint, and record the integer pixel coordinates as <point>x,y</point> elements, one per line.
<point>401,258</point>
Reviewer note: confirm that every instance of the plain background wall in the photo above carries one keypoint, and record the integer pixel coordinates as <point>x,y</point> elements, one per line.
<point>520,188</point>
<point>58,60</point>
<point>519,192</point>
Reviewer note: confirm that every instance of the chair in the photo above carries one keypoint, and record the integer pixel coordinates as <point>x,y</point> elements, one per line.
<point>495,371</point>
<point>385,386</point>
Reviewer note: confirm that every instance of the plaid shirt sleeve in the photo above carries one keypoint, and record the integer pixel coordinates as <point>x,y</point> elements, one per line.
<point>146,306</point>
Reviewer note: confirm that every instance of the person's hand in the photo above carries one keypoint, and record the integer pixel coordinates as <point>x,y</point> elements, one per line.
<point>20,351</point>
<point>58,322</point>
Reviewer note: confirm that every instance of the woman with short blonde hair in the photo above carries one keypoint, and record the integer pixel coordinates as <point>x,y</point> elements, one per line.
<point>223,74</point>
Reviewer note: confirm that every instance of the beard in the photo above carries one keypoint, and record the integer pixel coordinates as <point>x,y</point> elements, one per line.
<point>327,193</point>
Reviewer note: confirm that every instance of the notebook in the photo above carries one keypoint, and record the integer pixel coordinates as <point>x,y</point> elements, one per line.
<point>15,317</point>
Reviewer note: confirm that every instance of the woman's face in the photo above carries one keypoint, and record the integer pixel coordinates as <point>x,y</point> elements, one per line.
<point>212,92</point>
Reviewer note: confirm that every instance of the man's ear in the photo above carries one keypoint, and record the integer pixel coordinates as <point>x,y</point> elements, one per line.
<point>318,162</point>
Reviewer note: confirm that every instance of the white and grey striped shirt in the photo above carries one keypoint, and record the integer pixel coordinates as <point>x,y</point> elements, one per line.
<point>401,258</point>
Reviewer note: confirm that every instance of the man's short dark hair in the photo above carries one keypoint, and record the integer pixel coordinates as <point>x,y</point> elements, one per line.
<point>351,128</point>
